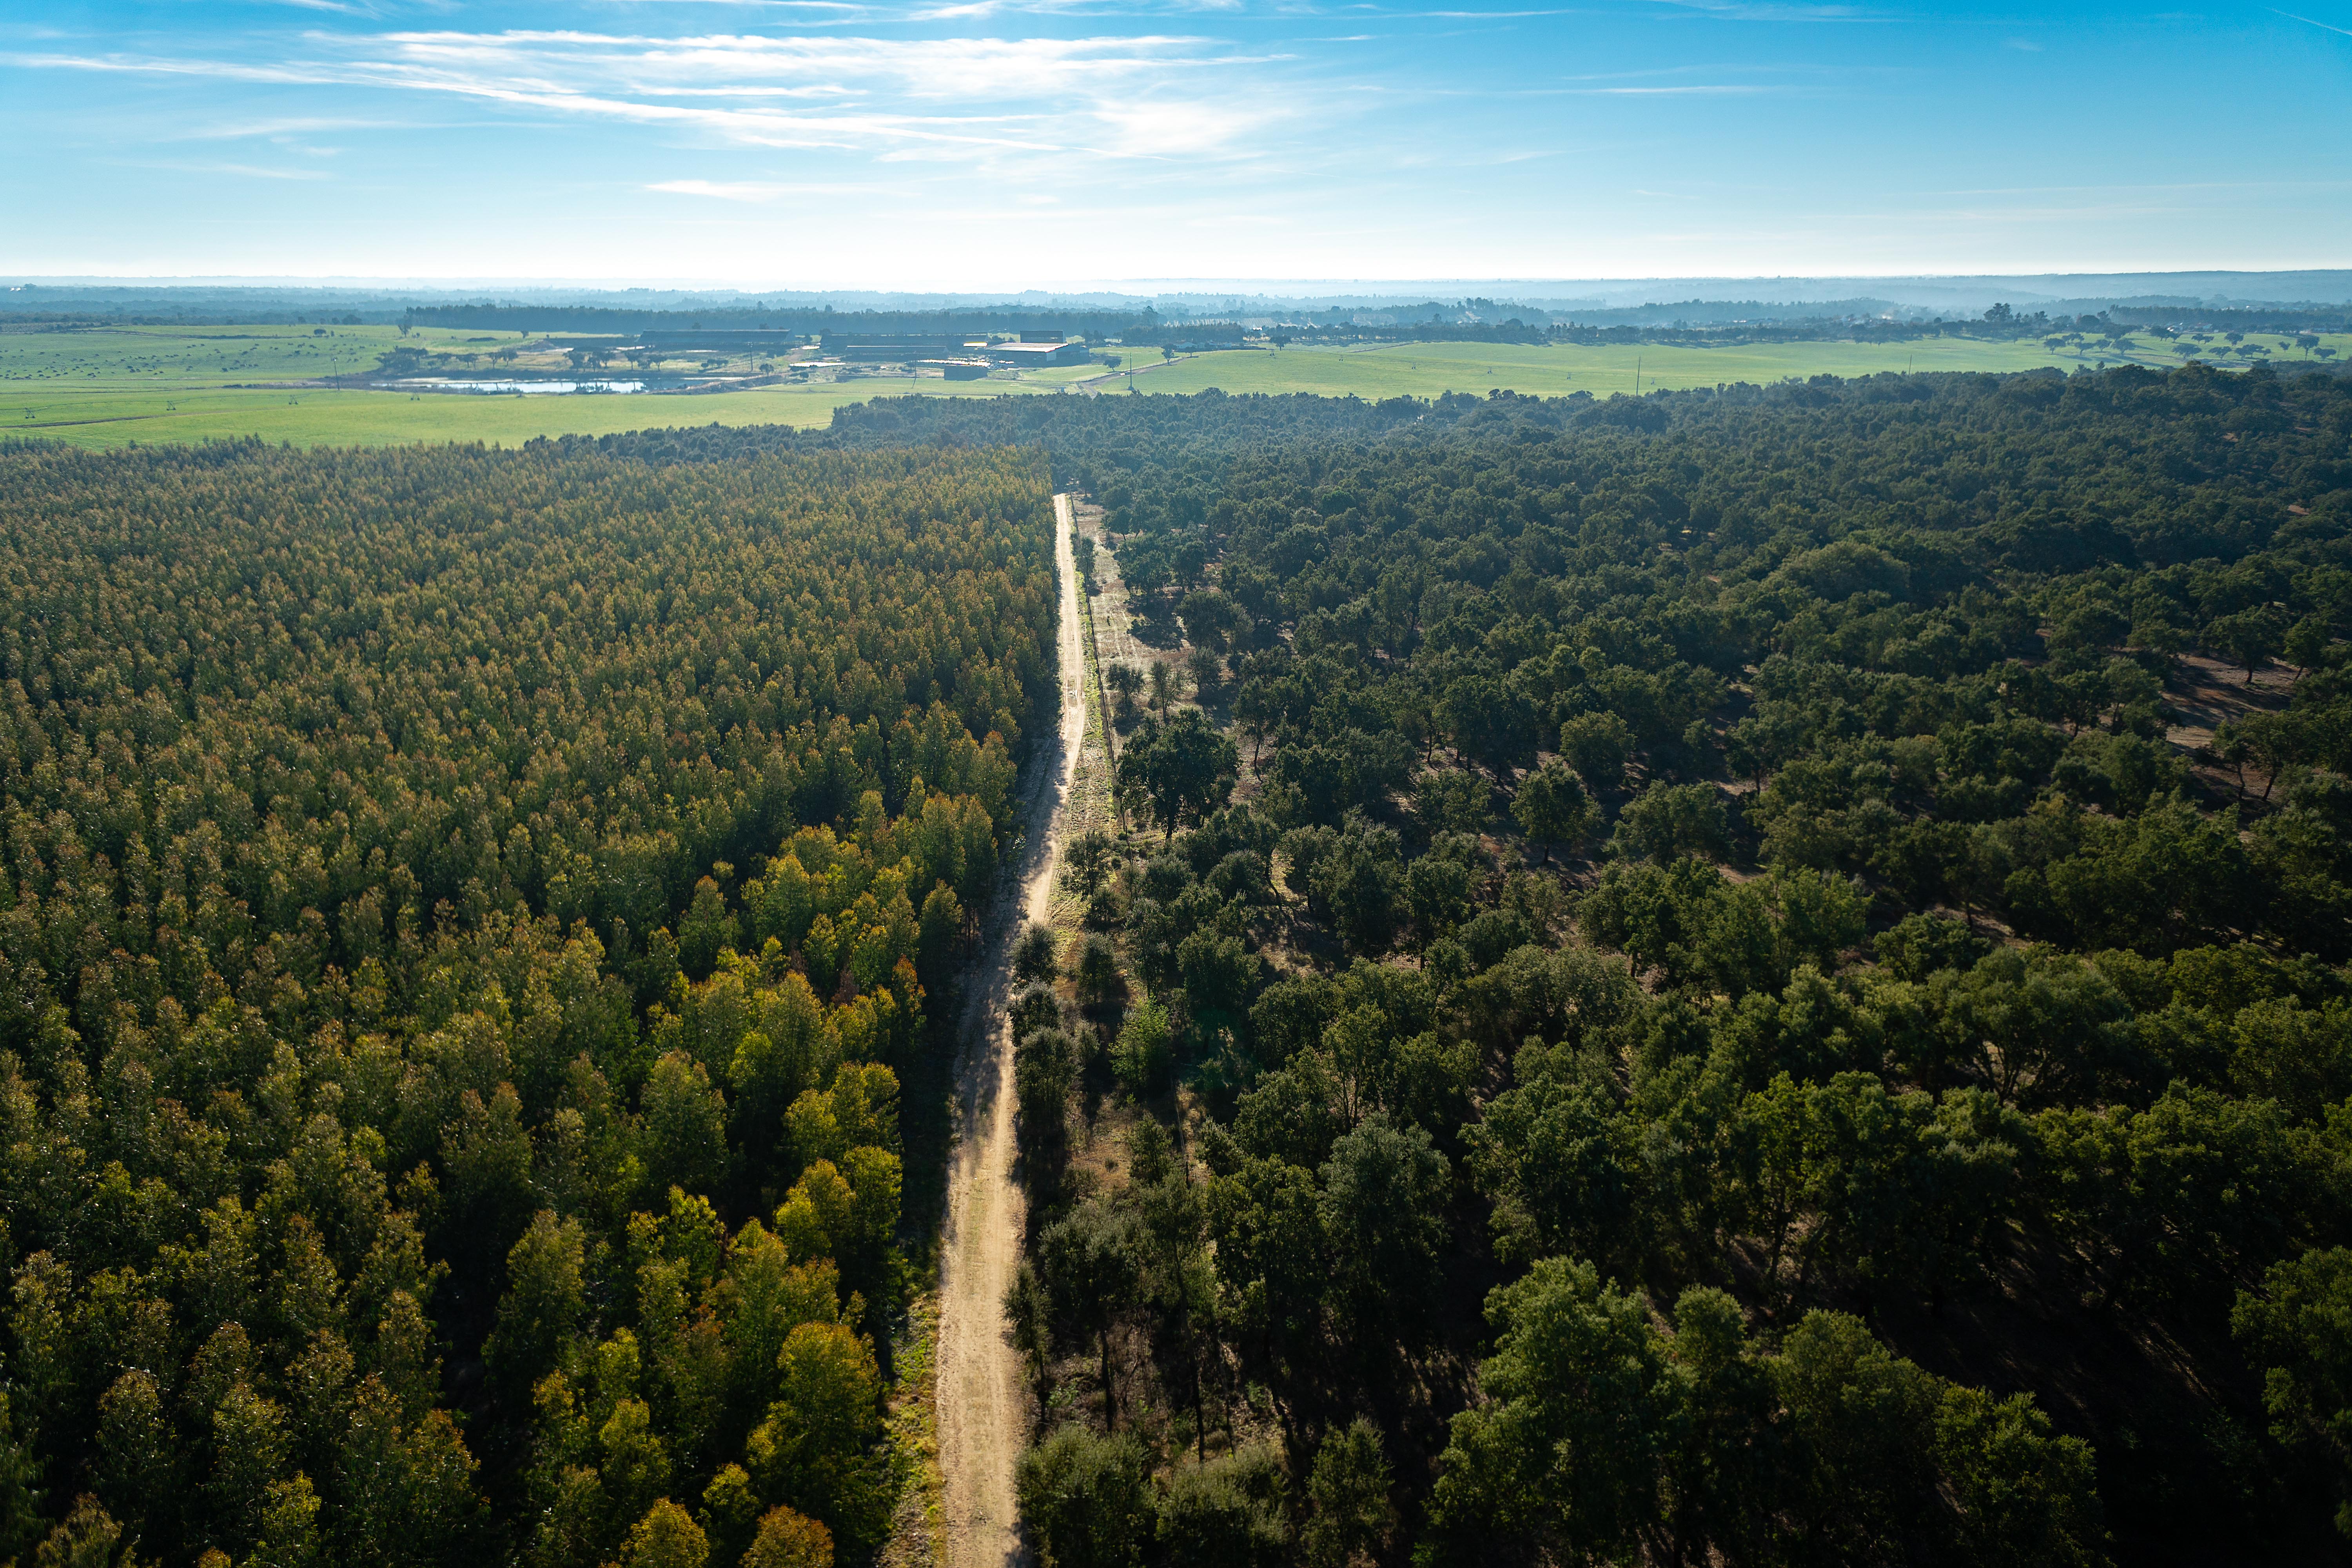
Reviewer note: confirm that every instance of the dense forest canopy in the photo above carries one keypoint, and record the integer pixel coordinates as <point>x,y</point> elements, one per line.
<point>467,918</point>
<point>1914,1128</point>
<point>1751,976</point>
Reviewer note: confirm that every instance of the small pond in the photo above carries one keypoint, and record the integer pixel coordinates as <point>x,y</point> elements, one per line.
<point>527,388</point>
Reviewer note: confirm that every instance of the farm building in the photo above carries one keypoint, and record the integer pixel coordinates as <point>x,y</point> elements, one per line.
<point>885,348</point>
<point>1030,354</point>
<point>891,347</point>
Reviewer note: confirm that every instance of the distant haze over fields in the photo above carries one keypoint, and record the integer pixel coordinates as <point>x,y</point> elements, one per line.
<point>1853,295</point>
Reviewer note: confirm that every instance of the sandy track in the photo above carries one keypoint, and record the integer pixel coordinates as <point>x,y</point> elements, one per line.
<point>981,1399</point>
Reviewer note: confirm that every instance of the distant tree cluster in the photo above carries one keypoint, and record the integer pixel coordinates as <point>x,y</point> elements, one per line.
<point>467,918</point>
<point>788,319</point>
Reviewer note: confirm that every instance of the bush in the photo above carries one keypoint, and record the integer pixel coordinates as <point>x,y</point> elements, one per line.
<point>1105,911</point>
<point>1139,1057</point>
<point>1097,971</point>
<point>1034,1007</point>
<point>1087,1500</point>
<point>1226,1513</point>
<point>1032,955</point>
<point>1045,1066</point>
<point>1348,1493</point>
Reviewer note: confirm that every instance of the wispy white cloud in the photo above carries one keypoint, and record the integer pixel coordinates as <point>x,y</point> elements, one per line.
<point>293,125</point>
<point>1716,68</point>
<point>748,89</point>
<point>846,6</point>
<point>2266,189</point>
<point>758,191</point>
<point>2324,27</point>
<point>219,69</point>
<point>980,10</point>
<point>1694,89</point>
<point>246,170</point>
<point>1773,11</point>
<point>1130,96</point>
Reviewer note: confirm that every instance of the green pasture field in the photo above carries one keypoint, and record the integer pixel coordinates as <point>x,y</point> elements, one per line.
<point>1428,369</point>
<point>313,417</point>
<point>176,357</point>
<point>112,386</point>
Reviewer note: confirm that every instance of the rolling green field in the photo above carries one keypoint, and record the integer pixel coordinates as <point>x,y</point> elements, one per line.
<point>110,386</point>
<point>55,362</point>
<point>313,417</point>
<point>1427,370</point>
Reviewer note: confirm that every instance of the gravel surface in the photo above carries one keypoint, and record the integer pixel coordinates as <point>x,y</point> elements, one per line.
<point>981,1403</point>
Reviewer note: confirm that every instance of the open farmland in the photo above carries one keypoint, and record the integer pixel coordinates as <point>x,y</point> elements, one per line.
<point>111,386</point>
<point>315,416</point>
<point>1430,370</point>
<point>52,360</point>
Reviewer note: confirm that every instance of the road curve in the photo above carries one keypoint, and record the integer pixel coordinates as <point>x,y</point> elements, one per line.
<point>980,1396</point>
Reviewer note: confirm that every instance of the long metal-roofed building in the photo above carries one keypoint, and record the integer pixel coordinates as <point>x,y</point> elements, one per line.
<point>880,348</point>
<point>885,348</point>
<point>1029,353</point>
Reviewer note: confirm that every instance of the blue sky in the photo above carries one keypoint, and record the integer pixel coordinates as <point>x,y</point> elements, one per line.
<point>989,144</point>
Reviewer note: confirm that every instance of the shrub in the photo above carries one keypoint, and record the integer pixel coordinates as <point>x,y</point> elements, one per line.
<point>1087,1500</point>
<point>1140,1055</point>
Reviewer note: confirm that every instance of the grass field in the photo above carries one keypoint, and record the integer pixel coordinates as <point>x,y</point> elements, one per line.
<point>50,362</point>
<point>310,418</point>
<point>1427,370</point>
<point>111,386</point>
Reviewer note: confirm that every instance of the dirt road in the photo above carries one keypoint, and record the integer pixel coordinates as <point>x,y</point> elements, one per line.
<point>980,1389</point>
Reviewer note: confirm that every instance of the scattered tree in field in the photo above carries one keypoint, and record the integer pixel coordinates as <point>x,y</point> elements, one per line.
<point>2248,636</point>
<point>1164,682</point>
<point>1124,680</point>
<point>1207,670</point>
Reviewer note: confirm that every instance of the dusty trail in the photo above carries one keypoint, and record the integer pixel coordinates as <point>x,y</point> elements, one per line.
<point>980,1393</point>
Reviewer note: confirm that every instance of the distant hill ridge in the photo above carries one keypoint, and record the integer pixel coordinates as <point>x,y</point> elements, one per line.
<point>1103,310</point>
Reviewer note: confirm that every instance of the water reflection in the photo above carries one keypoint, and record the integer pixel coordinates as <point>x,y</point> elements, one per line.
<point>527,388</point>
